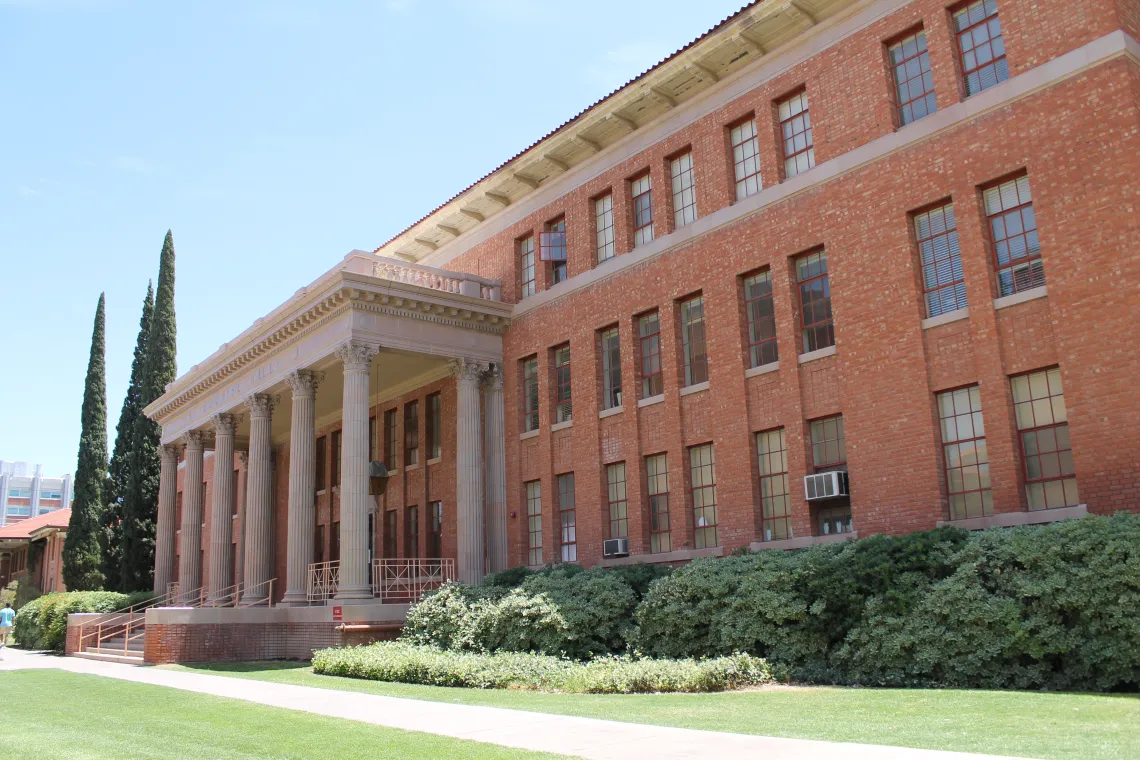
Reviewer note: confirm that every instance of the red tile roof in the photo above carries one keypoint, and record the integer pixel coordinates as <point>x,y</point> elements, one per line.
<point>25,528</point>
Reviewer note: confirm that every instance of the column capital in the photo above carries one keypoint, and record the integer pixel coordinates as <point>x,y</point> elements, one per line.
<point>356,356</point>
<point>493,377</point>
<point>225,424</point>
<point>304,382</point>
<point>261,404</point>
<point>468,371</point>
<point>195,440</point>
<point>170,451</point>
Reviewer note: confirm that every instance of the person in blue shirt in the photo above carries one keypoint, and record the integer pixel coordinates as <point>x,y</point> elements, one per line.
<point>7,617</point>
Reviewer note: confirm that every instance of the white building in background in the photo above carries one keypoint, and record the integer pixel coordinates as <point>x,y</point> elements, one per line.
<point>25,492</point>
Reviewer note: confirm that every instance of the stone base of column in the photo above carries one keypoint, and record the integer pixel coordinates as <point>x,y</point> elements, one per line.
<point>353,592</point>
<point>248,600</point>
<point>218,600</point>
<point>294,599</point>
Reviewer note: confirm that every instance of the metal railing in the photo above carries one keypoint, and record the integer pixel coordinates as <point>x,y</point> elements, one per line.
<point>233,596</point>
<point>323,581</point>
<point>394,581</point>
<point>127,622</point>
<point>398,581</point>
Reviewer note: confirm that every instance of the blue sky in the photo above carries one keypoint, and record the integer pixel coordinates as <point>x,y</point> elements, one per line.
<point>272,138</point>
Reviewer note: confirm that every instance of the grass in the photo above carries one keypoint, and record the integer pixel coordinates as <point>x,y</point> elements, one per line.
<point>1025,724</point>
<point>52,713</point>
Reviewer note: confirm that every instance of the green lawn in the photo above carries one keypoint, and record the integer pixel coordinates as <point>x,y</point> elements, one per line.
<point>1027,724</point>
<point>54,714</point>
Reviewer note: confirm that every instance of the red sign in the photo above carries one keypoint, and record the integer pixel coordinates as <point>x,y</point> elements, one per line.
<point>338,614</point>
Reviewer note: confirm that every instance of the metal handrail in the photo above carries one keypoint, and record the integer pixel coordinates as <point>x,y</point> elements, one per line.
<point>323,581</point>
<point>129,611</point>
<point>407,580</point>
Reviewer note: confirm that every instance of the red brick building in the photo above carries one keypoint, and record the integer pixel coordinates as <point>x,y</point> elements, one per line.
<point>882,253</point>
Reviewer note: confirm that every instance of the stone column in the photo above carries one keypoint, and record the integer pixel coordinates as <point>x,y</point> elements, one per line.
<point>165,529</point>
<point>302,484</point>
<point>496,470</point>
<point>258,527</point>
<point>190,563</point>
<point>355,582</point>
<point>469,470</point>
<point>221,518</point>
<point>239,539</point>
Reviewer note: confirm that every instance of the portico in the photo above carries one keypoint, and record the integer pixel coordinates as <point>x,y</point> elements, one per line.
<point>368,332</point>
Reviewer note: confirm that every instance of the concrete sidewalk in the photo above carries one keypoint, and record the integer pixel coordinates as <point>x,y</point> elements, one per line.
<point>567,735</point>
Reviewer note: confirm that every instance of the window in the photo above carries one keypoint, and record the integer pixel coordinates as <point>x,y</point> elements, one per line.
<point>15,510</point>
<point>372,442</point>
<point>534,522</point>
<point>943,283</point>
<point>703,477</point>
<point>434,427</point>
<point>553,249</point>
<point>616,499</point>
<point>649,339</point>
<point>390,550</point>
<point>611,368</point>
<point>435,530</point>
<point>745,159</point>
<point>761,316</point>
<point>1042,424</point>
<point>642,192</point>
<point>20,493</point>
<point>412,532</point>
<point>563,406</point>
<point>795,130</point>
<point>336,458</point>
<point>775,505</point>
<point>568,519</point>
<point>320,458</point>
<point>815,301</point>
<point>828,448</point>
<point>334,550</point>
<point>964,453</point>
<point>981,45</point>
<point>684,197</point>
<point>604,221</point>
<point>411,433</point>
<point>318,546</point>
<point>177,512</point>
<point>234,495</point>
<point>693,341</point>
<point>1013,227</point>
<point>914,81</point>
<point>51,494</point>
<point>530,395</point>
<point>657,477</point>
<point>391,436</point>
<point>526,265</point>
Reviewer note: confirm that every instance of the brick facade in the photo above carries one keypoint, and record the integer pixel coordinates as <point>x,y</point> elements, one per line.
<point>238,642</point>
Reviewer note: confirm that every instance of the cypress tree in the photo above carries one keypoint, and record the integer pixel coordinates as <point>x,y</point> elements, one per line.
<point>81,556</point>
<point>120,470</point>
<point>140,507</point>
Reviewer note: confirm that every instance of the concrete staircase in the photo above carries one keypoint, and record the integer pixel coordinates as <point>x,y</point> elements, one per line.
<point>115,650</point>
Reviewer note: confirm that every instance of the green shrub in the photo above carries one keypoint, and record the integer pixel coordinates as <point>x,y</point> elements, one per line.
<point>42,622</point>
<point>1054,606</point>
<point>8,593</point>
<point>407,663</point>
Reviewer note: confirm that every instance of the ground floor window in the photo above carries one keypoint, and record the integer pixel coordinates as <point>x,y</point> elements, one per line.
<point>1043,429</point>
<point>568,518</point>
<point>775,506</point>
<point>616,497</point>
<point>435,536</point>
<point>703,476</point>
<point>964,453</point>
<point>657,480</point>
<point>534,522</point>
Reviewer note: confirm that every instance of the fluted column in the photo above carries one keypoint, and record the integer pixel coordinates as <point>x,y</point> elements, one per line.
<point>496,469</point>
<point>302,483</point>
<point>190,563</point>
<point>258,525</point>
<point>469,470</point>
<point>355,582</point>
<point>239,538</point>
<point>165,530</point>
<point>221,519</point>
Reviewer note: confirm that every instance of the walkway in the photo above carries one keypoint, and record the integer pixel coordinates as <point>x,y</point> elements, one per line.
<point>581,737</point>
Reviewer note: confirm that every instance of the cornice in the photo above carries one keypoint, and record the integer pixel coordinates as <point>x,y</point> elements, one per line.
<point>312,308</point>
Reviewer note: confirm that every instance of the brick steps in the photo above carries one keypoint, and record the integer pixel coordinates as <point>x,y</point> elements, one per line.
<point>110,655</point>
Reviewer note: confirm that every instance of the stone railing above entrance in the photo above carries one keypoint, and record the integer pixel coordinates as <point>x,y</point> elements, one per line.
<point>460,283</point>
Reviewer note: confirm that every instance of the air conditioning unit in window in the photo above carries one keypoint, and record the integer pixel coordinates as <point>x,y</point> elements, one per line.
<point>825,485</point>
<point>615,547</point>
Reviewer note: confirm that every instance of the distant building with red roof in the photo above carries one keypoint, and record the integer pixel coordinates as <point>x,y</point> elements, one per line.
<point>31,551</point>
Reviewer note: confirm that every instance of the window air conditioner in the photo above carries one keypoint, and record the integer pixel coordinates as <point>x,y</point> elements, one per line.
<point>615,547</point>
<point>825,485</point>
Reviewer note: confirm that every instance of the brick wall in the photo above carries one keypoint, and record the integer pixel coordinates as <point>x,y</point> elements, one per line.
<point>234,642</point>
<point>1079,141</point>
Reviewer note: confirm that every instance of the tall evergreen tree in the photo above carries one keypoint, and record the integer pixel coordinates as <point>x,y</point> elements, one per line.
<point>120,470</point>
<point>81,556</point>
<point>140,507</point>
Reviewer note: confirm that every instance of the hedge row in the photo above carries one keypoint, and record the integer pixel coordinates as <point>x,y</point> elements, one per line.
<point>42,622</point>
<point>410,663</point>
<point>1045,607</point>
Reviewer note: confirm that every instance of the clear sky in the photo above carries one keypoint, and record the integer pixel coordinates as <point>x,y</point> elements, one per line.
<point>272,138</point>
